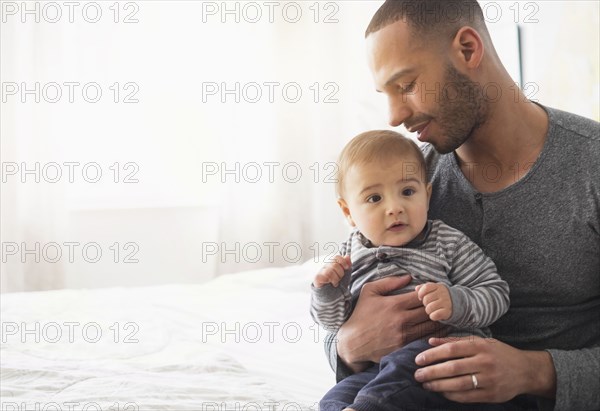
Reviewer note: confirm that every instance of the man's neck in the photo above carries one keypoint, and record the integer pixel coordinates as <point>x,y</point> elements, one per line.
<point>502,151</point>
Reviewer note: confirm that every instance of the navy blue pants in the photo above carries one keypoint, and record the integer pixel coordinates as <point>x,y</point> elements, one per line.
<point>391,386</point>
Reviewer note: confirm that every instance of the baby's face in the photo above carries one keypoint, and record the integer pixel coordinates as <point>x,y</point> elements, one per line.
<point>388,202</point>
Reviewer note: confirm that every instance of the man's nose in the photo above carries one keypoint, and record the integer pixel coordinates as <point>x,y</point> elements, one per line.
<point>400,110</point>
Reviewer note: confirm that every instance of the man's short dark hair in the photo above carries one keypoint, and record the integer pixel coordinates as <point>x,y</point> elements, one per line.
<point>430,18</point>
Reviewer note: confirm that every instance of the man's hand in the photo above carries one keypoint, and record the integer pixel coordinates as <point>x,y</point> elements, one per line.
<point>382,323</point>
<point>436,299</point>
<point>501,371</point>
<point>333,272</point>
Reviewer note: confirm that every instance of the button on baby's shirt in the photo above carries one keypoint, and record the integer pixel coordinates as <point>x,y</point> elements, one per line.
<point>381,256</point>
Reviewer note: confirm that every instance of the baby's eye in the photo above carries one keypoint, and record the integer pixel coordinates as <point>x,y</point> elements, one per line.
<point>374,198</point>
<point>408,192</point>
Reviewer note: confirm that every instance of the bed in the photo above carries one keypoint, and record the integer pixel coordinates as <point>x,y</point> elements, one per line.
<point>241,341</point>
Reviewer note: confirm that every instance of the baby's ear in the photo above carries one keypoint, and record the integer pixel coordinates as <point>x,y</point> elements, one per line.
<point>346,210</point>
<point>429,189</point>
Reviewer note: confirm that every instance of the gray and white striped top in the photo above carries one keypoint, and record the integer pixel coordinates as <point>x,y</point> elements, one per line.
<point>443,255</point>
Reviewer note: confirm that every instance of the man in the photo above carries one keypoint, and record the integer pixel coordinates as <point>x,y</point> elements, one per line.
<point>520,179</point>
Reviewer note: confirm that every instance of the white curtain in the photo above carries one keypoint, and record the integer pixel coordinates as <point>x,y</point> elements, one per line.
<point>245,180</point>
<point>32,214</point>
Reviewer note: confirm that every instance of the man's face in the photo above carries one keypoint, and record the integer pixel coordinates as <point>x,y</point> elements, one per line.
<point>425,91</point>
<point>388,201</point>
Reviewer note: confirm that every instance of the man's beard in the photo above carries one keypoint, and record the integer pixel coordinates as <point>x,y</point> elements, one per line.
<point>463,108</point>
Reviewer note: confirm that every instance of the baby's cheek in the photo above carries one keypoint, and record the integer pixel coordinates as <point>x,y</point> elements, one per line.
<point>371,227</point>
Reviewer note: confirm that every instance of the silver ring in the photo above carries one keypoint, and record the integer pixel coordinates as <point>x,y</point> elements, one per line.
<point>475,383</point>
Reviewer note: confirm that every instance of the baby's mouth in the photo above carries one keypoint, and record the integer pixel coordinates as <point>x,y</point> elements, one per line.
<point>397,227</point>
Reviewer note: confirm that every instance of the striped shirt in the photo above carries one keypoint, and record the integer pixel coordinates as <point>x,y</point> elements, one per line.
<point>443,255</point>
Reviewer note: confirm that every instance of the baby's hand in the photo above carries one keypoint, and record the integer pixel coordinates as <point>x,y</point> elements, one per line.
<point>332,272</point>
<point>436,299</point>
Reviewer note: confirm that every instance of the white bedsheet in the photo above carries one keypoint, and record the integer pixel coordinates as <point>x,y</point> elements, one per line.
<point>241,342</point>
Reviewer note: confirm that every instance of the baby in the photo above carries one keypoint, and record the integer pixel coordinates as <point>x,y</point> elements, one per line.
<point>383,192</point>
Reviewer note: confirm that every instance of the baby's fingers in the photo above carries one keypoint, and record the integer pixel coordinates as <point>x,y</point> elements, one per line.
<point>322,278</point>
<point>424,289</point>
<point>331,273</point>
<point>336,273</point>
<point>343,261</point>
<point>440,314</point>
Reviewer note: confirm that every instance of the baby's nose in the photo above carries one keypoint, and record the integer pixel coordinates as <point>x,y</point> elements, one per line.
<point>395,209</point>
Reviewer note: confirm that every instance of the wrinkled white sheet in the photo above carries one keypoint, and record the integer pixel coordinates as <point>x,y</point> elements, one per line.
<point>239,342</point>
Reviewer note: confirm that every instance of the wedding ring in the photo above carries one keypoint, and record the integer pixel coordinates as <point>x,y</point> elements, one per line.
<point>475,383</point>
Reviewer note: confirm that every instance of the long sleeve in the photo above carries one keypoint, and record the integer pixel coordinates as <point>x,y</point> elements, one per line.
<point>341,370</point>
<point>330,306</point>
<point>577,379</point>
<point>479,296</point>
<point>337,365</point>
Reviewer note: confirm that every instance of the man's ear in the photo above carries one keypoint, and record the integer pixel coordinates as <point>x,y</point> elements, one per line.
<point>344,207</point>
<point>467,48</point>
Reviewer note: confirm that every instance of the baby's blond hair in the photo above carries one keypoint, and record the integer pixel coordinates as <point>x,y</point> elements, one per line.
<point>377,146</point>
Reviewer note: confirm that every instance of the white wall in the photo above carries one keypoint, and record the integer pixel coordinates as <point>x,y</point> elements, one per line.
<point>561,56</point>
